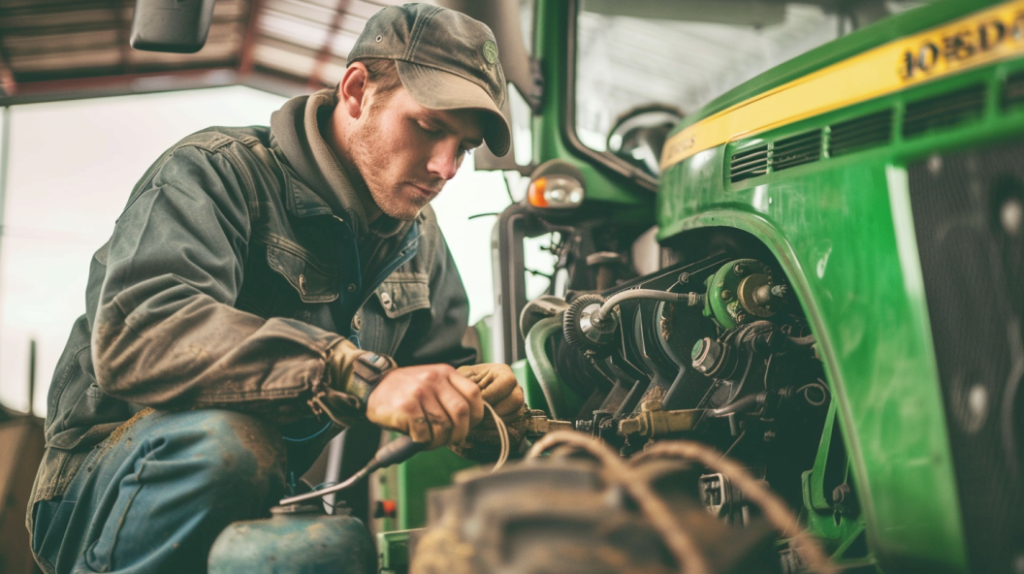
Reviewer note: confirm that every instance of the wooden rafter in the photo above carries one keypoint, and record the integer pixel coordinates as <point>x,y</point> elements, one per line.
<point>316,76</point>
<point>247,61</point>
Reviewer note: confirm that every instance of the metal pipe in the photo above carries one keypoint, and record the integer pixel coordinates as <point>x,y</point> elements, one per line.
<point>537,355</point>
<point>740,405</point>
<point>691,299</point>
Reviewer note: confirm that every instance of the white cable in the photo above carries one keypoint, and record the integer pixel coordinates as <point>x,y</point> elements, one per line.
<point>502,437</point>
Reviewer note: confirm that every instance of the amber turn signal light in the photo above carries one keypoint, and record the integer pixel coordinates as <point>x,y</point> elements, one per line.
<point>555,191</point>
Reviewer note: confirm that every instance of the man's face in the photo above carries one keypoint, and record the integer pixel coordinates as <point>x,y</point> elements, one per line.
<point>405,152</point>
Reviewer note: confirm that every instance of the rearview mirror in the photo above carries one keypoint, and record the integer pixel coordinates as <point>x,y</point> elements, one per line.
<point>171,25</point>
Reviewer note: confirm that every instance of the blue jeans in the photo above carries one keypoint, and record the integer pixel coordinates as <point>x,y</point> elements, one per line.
<point>154,496</point>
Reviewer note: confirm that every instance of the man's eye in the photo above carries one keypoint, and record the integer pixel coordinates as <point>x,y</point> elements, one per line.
<point>429,130</point>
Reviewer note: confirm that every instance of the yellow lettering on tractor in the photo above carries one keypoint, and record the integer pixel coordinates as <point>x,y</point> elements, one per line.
<point>984,37</point>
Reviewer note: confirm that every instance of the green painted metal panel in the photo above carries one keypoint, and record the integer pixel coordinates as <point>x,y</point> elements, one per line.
<point>393,548</point>
<point>431,469</point>
<point>843,231</point>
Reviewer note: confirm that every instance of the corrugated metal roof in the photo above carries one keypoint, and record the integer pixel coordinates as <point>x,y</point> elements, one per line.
<point>60,49</point>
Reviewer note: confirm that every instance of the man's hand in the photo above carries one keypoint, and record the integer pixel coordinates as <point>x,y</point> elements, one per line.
<point>432,403</point>
<point>499,388</point>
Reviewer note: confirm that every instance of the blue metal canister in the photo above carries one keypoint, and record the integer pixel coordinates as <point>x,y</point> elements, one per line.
<point>297,539</point>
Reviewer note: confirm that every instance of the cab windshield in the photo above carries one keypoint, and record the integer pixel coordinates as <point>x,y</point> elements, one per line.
<point>646,63</point>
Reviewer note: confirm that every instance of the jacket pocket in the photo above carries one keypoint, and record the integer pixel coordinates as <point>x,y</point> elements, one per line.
<point>313,282</point>
<point>402,293</point>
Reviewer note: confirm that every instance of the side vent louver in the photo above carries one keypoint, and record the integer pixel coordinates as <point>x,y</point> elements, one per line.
<point>796,150</point>
<point>944,111</point>
<point>860,133</point>
<point>749,163</point>
<point>1013,90</point>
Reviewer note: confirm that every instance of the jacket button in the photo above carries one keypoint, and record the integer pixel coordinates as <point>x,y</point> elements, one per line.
<point>351,287</point>
<point>385,300</point>
<point>302,283</point>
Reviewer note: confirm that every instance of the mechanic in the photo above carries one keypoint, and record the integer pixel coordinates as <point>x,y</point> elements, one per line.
<point>265,288</point>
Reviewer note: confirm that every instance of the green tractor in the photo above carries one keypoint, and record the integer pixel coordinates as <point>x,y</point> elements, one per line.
<point>791,231</point>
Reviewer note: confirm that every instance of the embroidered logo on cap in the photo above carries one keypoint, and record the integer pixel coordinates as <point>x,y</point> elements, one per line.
<point>490,52</point>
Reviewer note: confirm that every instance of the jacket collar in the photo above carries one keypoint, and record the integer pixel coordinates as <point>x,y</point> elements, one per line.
<point>295,130</point>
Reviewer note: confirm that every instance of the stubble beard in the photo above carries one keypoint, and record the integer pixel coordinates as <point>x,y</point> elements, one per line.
<point>371,160</point>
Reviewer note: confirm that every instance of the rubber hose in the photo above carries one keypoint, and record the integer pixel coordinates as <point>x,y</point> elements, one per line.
<point>691,299</point>
<point>543,369</point>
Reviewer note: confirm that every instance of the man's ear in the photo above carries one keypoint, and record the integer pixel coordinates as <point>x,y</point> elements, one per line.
<point>353,89</point>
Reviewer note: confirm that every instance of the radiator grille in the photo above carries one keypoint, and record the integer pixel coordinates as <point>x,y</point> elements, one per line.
<point>1013,90</point>
<point>944,111</point>
<point>749,163</point>
<point>796,150</point>
<point>861,133</point>
<point>969,220</point>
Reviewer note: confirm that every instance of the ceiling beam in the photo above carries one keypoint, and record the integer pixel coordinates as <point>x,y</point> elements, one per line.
<point>58,29</point>
<point>7,84</point>
<point>124,29</point>
<point>316,76</point>
<point>120,85</point>
<point>247,61</point>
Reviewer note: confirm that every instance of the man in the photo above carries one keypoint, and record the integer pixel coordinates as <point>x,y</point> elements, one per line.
<point>262,283</point>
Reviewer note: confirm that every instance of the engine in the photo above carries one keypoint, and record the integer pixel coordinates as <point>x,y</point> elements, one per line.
<point>716,351</point>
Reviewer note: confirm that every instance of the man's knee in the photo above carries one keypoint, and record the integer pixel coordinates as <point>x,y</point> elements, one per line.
<point>239,452</point>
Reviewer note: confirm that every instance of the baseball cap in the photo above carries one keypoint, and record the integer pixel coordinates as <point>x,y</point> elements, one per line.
<point>445,60</point>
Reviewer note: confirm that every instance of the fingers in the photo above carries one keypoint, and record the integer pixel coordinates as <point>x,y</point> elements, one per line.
<point>510,404</point>
<point>431,403</point>
<point>419,428</point>
<point>496,380</point>
<point>440,420</point>
<point>457,410</point>
<point>471,394</point>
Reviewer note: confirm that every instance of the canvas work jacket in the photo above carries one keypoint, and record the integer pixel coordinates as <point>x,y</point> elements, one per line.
<point>242,256</point>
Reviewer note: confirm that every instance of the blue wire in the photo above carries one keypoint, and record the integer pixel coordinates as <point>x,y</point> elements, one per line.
<point>310,437</point>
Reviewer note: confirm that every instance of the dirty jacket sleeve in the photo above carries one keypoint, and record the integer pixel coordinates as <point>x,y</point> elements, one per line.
<point>165,332</point>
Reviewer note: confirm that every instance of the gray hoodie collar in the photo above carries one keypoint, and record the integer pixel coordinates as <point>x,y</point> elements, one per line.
<point>296,127</point>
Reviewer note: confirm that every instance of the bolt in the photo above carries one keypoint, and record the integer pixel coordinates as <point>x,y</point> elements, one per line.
<point>1011,215</point>
<point>780,290</point>
<point>739,269</point>
<point>726,294</point>
<point>684,277</point>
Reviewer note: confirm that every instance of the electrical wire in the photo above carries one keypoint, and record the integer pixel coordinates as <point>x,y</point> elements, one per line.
<point>506,444</point>
<point>683,547</point>
<point>814,402</point>
<point>773,508</point>
<point>323,490</point>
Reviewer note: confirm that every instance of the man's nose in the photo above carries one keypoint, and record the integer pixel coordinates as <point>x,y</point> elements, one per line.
<point>444,162</point>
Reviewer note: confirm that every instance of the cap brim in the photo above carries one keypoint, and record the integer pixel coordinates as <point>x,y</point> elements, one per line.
<point>439,90</point>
